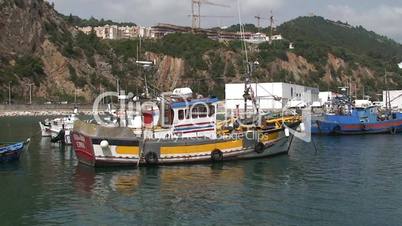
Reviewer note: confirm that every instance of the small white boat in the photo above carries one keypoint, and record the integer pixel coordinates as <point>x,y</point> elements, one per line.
<point>59,128</point>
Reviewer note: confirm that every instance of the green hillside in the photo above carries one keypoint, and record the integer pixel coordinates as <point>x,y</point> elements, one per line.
<point>315,36</point>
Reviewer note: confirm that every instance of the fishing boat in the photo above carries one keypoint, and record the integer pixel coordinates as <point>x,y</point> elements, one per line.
<point>188,135</point>
<point>59,129</point>
<point>359,120</point>
<point>180,129</point>
<point>12,151</point>
<point>349,117</point>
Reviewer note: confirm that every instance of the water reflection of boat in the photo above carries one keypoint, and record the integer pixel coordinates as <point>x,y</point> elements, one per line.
<point>89,180</point>
<point>12,151</point>
<point>125,183</point>
<point>84,178</point>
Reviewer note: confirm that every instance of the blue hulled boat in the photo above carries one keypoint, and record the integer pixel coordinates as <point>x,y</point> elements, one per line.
<point>12,152</point>
<point>358,121</point>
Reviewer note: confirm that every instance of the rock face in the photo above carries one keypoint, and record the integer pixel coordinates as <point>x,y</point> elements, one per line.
<point>22,25</point>
<point>28,26</point>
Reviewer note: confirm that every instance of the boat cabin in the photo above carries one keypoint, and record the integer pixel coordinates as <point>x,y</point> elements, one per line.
<point>360,115</point>
<point>365,115</point>
<point>194,118</point>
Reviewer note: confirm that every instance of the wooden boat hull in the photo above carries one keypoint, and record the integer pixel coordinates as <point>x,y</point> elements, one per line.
<point>98,150</point>
<point>12,152</point>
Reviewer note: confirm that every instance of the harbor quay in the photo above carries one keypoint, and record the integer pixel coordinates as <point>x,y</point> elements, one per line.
<point>42,109</point>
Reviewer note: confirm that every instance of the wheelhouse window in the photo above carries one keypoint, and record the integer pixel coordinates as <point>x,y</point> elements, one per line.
<point>194,113</point>
<point>211,110</point>
<point>168,116</point>
<point>202,111</point>
<point>181,114</point>
<point>187,114</point>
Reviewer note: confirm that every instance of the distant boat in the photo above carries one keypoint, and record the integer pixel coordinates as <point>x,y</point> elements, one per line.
<point>12,151</point>
<point>358,121</point>
<point>56,127</point>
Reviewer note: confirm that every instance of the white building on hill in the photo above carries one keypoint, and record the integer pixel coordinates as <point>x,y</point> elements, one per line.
<point>271,96</point>
<point>113,31</point>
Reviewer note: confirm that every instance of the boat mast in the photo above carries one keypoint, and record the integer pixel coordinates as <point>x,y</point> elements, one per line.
<point>144,64</point>
<point>387,94</point>
<point>246,95</point>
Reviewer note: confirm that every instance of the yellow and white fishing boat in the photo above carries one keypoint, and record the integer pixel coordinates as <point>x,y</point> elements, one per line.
<point>187,133</point>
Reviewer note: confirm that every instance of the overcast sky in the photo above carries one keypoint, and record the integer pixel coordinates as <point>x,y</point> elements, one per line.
<point>381,16</point>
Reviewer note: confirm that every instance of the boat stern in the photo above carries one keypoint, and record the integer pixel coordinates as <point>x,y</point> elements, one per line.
<point>83,148</point>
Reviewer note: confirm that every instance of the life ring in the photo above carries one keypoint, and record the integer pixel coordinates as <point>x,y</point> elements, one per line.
<point>259,148</point>
<point>216,155</point>
<point>151,158</point>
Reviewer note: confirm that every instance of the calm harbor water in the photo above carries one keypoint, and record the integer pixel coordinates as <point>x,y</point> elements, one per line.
<point>349,181</point>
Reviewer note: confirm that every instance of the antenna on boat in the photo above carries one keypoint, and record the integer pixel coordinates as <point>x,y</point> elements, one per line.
<point>145,65</point>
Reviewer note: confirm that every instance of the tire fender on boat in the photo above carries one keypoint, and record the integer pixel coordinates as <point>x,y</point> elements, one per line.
<point>259,148</point>
<point>393,130</point>
<point>216,155</point>
<point>151,158</point>
<point>336,129</point>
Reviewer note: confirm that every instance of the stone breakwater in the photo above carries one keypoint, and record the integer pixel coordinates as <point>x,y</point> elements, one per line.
<point>42,110</point>
<point>40,113</point>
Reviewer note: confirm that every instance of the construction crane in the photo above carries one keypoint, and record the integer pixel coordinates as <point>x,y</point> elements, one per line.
<point>271,25</point>
<point>259,18</point>
<point>196,11</point>
<point>219,17</point>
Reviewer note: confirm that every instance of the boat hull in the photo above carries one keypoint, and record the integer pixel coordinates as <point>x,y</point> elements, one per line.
<point>322,127</point>
<point>52,128</point>
<point>12,152</point>
<point>45,130</point>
